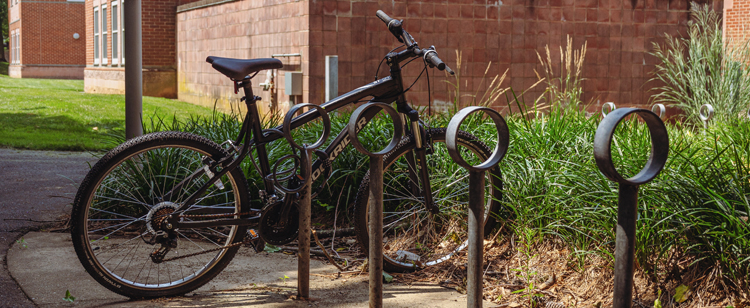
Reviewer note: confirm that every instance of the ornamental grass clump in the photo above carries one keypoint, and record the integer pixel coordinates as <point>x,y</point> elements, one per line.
<point>703,69</point>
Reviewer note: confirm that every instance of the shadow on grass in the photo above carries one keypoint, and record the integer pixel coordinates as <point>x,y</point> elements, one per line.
<point>61,133</point>
<point>4,68</point>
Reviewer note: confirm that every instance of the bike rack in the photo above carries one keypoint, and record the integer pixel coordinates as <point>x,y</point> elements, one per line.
<point>660,108</point>
<point>476,194</point>
<point>627,204</point>
<point>305,159</point>
<point>607,108</point>
<point>705,113</point>
<point>375,260</point>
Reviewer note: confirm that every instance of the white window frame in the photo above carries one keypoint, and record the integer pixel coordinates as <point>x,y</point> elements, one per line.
<point>18,46</point>
<point>116,39</point>
<point>97,41</point>
<point>104,36</point>
<point>122,32</point>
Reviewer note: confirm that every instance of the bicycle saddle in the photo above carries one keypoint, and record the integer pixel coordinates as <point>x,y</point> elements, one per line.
<point>239,69</point>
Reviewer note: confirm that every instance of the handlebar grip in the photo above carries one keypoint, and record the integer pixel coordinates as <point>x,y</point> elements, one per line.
<point>384,17</point>
<point>432,58</point>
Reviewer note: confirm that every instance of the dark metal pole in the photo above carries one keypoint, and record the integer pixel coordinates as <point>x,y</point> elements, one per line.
<point>133,70</point>
<point>376,231</point>
<point>476,194</point>
<point>375,224</point>
<point>303,240</point>
<point>476,238</point>
<point>627,211</point>
<point>627,205</point>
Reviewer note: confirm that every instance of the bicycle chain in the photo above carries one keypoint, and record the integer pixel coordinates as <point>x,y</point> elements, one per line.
<point>247,240</point>
<point>219,215</point>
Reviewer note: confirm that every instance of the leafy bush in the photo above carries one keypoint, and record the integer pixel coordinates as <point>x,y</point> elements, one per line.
<point>703,69</point>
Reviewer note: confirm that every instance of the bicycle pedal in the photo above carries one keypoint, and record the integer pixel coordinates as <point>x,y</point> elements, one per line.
<point>255,240</point>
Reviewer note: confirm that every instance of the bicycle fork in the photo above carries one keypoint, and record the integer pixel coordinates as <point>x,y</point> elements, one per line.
<point>418,159</point>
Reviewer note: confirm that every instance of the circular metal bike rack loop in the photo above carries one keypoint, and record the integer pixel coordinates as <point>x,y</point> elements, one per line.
<point>305,190</point>
<point>607,108</point>
<point>706,112</point>
<point>375,253</point>
<point>503,138</point>
<point>659,110</point>
<point>627,202</point>
<point>659,146</point>
<point>286,127</point>
<point>476,194</point>
<point>398,128</point>
<point>305,159</point>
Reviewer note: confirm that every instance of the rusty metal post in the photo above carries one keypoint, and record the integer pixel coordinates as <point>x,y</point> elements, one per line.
<point>375,224</point>
<point>476,196</point>
<point>303,239</point>
<point>476,238</point>
<point>627,207</point>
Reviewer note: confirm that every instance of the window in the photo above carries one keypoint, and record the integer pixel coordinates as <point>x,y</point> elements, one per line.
<point>104,35</point>
<point>96,35</point>
<point>122,31</point>
<point>115,34</point>
<point>16,48</point>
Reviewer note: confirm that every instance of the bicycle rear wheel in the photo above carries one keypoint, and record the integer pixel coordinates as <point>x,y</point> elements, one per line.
<point>414,238</point>
<point>120,208</point>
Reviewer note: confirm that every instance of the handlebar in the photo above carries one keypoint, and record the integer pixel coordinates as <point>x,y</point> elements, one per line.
<point>429,55</point>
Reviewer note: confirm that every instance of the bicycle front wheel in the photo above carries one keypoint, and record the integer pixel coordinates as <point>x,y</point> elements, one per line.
<point>120,208</point>
<point>413,237</point>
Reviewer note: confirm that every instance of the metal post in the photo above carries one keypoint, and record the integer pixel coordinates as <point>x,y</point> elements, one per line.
<point>303,238</point>
<point>476,194</point>
<point>376,232</point>
<point>375,224</point>
<point>332,77</point>
<point>705,113</point>
<point>133,70</point>
<point>476,238</point>
<point>627,206</point>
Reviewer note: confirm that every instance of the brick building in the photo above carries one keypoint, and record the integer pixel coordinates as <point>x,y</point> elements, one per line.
<point>736,20</point>
<point>47,38</point>
<point>506,33</point>
<point>179,34</point>
<point>105,57</point>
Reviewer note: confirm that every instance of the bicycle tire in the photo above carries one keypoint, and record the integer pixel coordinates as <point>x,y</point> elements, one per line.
<point>110,217</point>
<point>409,230</point>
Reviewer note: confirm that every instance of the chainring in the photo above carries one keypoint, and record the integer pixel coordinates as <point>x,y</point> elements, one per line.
<point>275,231</point>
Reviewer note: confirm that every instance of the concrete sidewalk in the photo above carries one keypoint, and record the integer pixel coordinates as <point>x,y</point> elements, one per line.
<point>48,266</point>
<point>38,187</point>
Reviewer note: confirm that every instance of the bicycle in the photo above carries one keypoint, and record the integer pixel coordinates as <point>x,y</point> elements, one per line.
<point>164,213</point>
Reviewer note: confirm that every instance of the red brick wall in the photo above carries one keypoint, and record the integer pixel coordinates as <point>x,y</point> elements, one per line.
<point>47,29</point>
<point>241,29</point>
<point>737,20</point>
<point>159,25</point>
<point>506,33</point>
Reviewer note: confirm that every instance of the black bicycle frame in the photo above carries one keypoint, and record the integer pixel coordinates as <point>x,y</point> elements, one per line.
<point>386,90</point>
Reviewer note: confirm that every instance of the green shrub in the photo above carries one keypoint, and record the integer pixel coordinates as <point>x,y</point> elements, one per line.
<point>703,69</point>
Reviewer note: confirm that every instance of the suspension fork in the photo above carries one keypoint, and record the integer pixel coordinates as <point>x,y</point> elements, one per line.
<point>418,159</point>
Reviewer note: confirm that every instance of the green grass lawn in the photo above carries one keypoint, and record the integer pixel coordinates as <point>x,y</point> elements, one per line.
<point>50,114</point>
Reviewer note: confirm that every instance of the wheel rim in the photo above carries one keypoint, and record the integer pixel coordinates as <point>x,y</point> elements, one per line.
<point>410,231</point>
<point>116,223</point>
